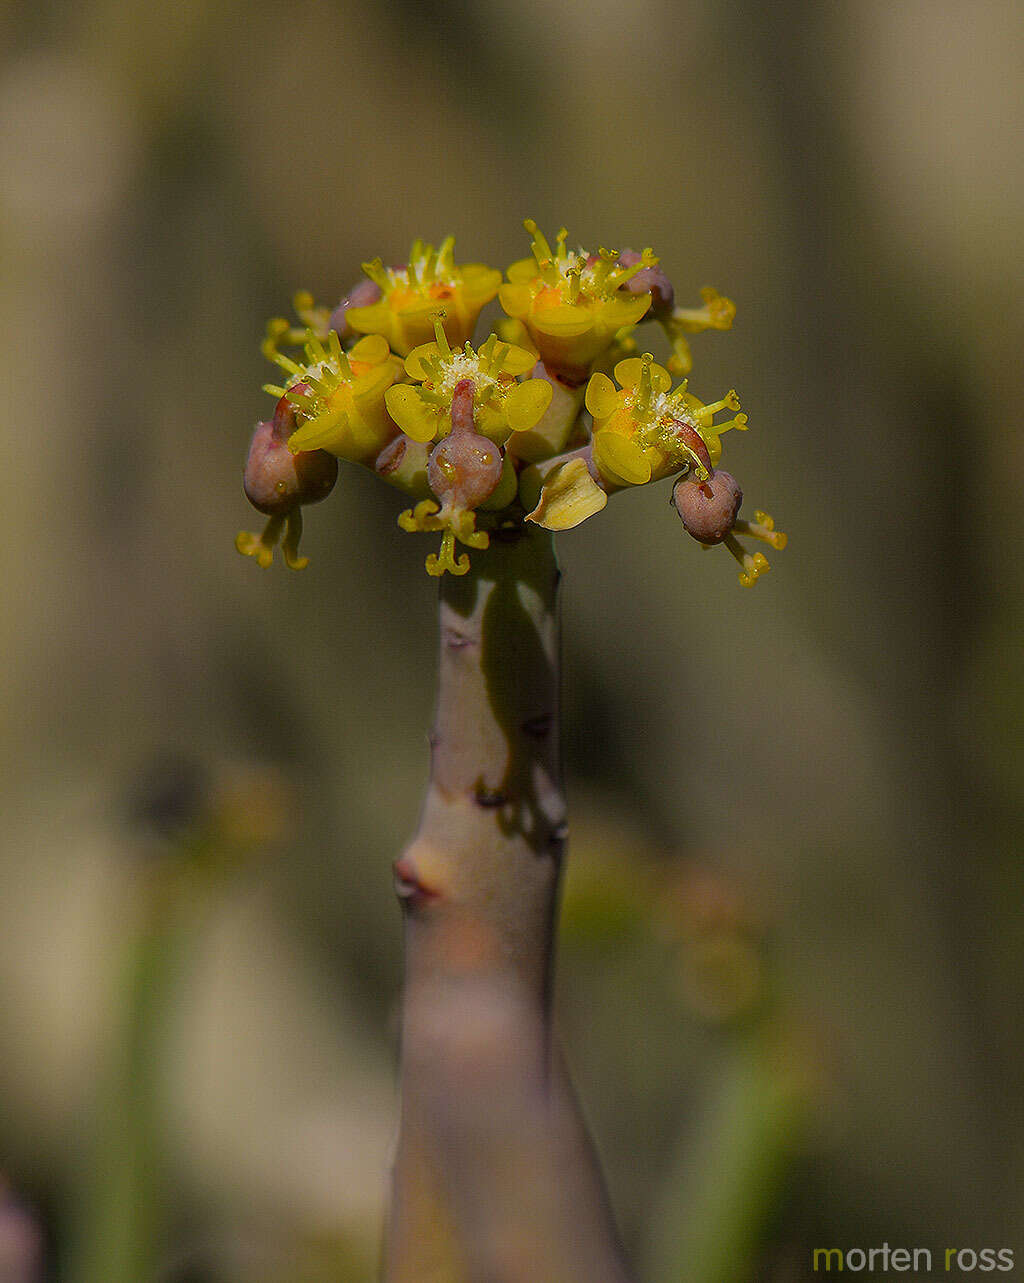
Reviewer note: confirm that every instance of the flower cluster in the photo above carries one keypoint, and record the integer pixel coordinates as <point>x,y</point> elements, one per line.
<point>529,426</point>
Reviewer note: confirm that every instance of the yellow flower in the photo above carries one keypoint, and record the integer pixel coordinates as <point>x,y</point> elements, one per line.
<point>717,313</point>
<point>340,397</point>
<point>571,302</point>
<point>413,294</point>
<point>501,406</point>
<point>644,432</point>
<point>281,333</point>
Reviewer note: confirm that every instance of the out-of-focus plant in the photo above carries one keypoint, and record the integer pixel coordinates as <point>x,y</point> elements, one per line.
<point>497,445</point>
<point>21,1239</point>
<point>195,827</point>
<point>712,1215</point>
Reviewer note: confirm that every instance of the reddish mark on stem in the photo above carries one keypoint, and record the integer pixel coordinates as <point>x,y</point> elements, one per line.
<point>409,887</point>
<point>454,640</point>
<point>390,457</point>
<point>558,835</point>
<point>490,799</point>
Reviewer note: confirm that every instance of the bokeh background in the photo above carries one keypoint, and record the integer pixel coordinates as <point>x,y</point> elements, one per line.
<point>791,966</point>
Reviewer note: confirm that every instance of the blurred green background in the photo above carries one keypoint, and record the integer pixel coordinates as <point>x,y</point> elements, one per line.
<point>791,971</point>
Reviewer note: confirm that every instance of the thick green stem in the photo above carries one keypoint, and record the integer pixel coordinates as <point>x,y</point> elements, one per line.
<point>494,1177</point>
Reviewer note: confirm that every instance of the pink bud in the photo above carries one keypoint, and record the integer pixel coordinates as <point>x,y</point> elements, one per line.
<point>649,278</point>
<point>362,294</point>
<point>708,509</point>
<point>276,481</point>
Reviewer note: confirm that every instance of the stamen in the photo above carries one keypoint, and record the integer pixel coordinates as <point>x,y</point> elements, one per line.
<point>286,363</point>
<point>739,422</point>
<point>539,245</point>
<point>377,273</point>
<point>446,256</point>
<point>608,258</point>
<point>438,563</point>
<point>623,274</point>
<point>751,564</point>
<point>290,542</point>
<point>260,546</point>
<point>573,279</point>
<point>645,390</point>
<point>442,338</point>
<point>729,402</point>
<point>763,528</point>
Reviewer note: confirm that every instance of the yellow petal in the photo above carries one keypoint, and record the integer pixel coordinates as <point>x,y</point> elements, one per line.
<point>526,403</point>
<point>373,349</point>
<point>321,433</point>
<point>370,386</point>
<point>522,271</point>
<point>518,360</point>
<point>626,310</point>
<point>480,283</point>
<point>490,422</point>
<point>563,322</point>
<point>416,419</point>
<point>602,399</point>
<point>568,496</point>
<point>420,306</point>
<point>414,361</point>
<point>628,374</point>
<point>515,333</point>
<point>369,320</point>
<point>621,459</point>
<point>515,299</point>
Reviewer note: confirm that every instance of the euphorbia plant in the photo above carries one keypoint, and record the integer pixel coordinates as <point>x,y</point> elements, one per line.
<point>497,446</point>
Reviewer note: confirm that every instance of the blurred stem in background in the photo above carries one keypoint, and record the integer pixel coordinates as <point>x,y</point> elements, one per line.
<point>206,825</point>
<point>714,1213</point>
<point>726,1184</point>
<point>124,1182</point>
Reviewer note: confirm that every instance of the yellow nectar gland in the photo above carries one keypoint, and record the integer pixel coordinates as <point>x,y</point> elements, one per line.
<point>411,296</point>
<point>339,396</point>
<point>645,431</point>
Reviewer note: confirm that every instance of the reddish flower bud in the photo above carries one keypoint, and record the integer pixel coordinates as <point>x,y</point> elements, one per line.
<point>649,278</point>
<point>464,467</point>
<point>708,509</point>
<point>276,481</point>
<point>362,294</point>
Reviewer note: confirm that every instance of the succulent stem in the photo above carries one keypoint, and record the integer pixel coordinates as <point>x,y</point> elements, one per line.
<point>494,1175</point>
